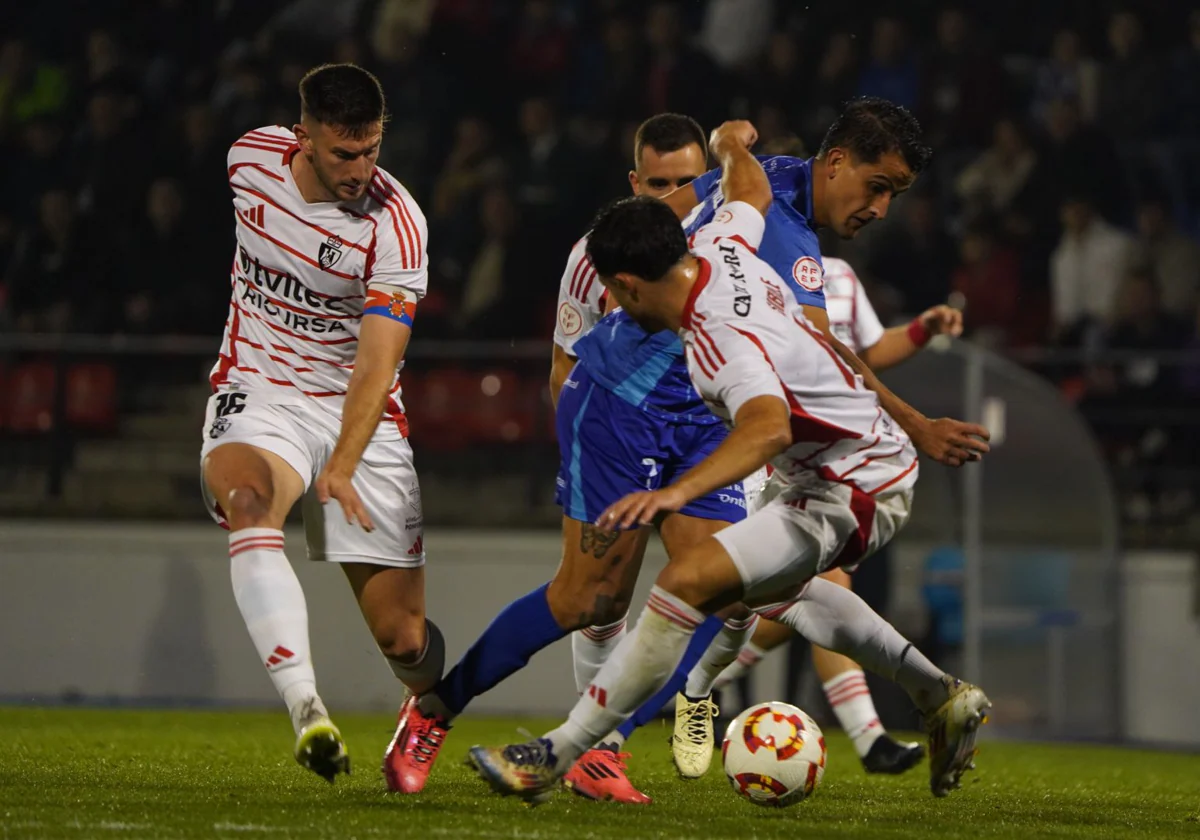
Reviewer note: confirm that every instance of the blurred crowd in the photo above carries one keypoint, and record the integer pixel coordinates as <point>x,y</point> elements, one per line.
<point>1061,210</point>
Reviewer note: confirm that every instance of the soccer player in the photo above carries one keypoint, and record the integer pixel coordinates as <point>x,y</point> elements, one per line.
<point>628,418</point>
<point>846,468</point>
<point>329,268</point>
<point>853,320</point>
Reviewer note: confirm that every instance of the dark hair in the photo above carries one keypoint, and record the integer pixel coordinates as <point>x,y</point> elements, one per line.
<point>639,236</point>
<point>870,127</point>
<point>343,95</point>
<point>668,133</point>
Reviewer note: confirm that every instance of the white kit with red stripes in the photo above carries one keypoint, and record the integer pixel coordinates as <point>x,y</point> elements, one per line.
<point>746,336</point>
<point>852,319</point>
<point>300,278</point>
<point>580,298</point>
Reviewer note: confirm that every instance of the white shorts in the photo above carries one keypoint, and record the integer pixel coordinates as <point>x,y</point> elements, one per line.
<point>796,533</point>
<point>304,437</point>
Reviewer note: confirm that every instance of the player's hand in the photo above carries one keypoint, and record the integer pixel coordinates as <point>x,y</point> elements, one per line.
<point>742,132</point>
<point>332,484</point>
<point>952,442</point>
<point>640,509</point>
<point>942,320</point>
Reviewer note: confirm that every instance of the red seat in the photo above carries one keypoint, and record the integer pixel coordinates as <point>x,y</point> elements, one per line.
<point>438,406</point>
<point>503,411</point>
<point>92,397</point>
<point>31,398</point>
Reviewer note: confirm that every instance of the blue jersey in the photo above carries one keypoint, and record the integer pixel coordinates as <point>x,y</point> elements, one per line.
<point>645,370</point>
<point>789,242</point>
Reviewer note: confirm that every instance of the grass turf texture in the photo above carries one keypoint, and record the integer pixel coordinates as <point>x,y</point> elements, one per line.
<point>87,773</point>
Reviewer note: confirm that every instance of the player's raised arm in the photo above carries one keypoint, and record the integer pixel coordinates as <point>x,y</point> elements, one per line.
<point>742,176</point>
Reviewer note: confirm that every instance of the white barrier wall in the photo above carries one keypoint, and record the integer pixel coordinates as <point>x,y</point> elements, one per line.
<point>138,612</point>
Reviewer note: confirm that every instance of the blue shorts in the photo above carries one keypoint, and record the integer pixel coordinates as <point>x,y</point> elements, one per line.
<point>609,448</point>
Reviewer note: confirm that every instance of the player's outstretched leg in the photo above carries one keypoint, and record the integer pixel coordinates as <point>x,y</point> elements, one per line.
<point>640,666</point>
<point>838,620</point>
<point>845,687</point>
<point>255,489</point>
<point>592,586</point>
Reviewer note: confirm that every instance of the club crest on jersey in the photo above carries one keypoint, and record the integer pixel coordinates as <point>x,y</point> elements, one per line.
<point>808,273</point>
<point>330,252</point>
<point>569,319</point>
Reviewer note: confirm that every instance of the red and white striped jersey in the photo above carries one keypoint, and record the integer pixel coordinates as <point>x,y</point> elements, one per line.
<point>580,298</point>
<point>746,336</point>
<point>301,274</point>
<point>852,319</point>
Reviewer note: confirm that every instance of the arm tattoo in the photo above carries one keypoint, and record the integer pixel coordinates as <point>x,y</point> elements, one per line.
<point>596,541</point>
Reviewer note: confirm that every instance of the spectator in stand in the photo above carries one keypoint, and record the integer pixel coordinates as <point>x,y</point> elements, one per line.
<point>776,80</point>
<point>1078,154</point>
<point>1067,74</point>
<point>915,256</point>
<point>1086,268</point>
<point>56,271</point>
<point>1131,85</point>
<point>680,79</point>
<point>1173,257</point>
<point>835,82</point>
<point>29,87</point>
<point>490,306</point>
<point>539,47</point>
<point>545,170</point>
<point>993,183</point>
<point>735,33</point>
<point>37,165</point>
<point>892,69</point>
<point>963,85</point>
<point>989,279</point>
<point>420,94</point>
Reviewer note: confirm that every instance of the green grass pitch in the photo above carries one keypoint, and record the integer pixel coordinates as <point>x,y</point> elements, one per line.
<point>84,773</point>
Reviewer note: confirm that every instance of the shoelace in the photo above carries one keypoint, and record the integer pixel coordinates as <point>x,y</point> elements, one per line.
<point>524,754</point>
<point>696,726</point>
<point>428,743</point>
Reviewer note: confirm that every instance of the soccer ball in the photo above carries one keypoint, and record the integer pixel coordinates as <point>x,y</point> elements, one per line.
<point>774,754</point>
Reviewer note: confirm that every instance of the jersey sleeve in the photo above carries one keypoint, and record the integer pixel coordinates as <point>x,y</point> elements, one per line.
<point>706,183</point>
<point>735,220</point>
<point>867,327</point>
<point>580,299</point>
<point>730,369</point>
<point>398,259</point>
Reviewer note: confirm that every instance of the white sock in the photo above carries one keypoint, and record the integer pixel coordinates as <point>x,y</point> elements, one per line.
<point>721,654</point>
<point>272,604</point>
<point>590,649</point>
<point>638,668</point>
<point>838,620</point>
<point>750,655</point>
<point>851,701</point>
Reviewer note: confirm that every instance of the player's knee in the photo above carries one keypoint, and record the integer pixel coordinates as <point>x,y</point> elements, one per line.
<point>400,638</point>
<point>683,580</point>
<point>248,505</point>
<point>580,604</point>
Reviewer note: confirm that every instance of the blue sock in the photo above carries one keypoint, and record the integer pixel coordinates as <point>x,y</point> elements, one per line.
<point>520,630</point>
<point>701,639</point>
